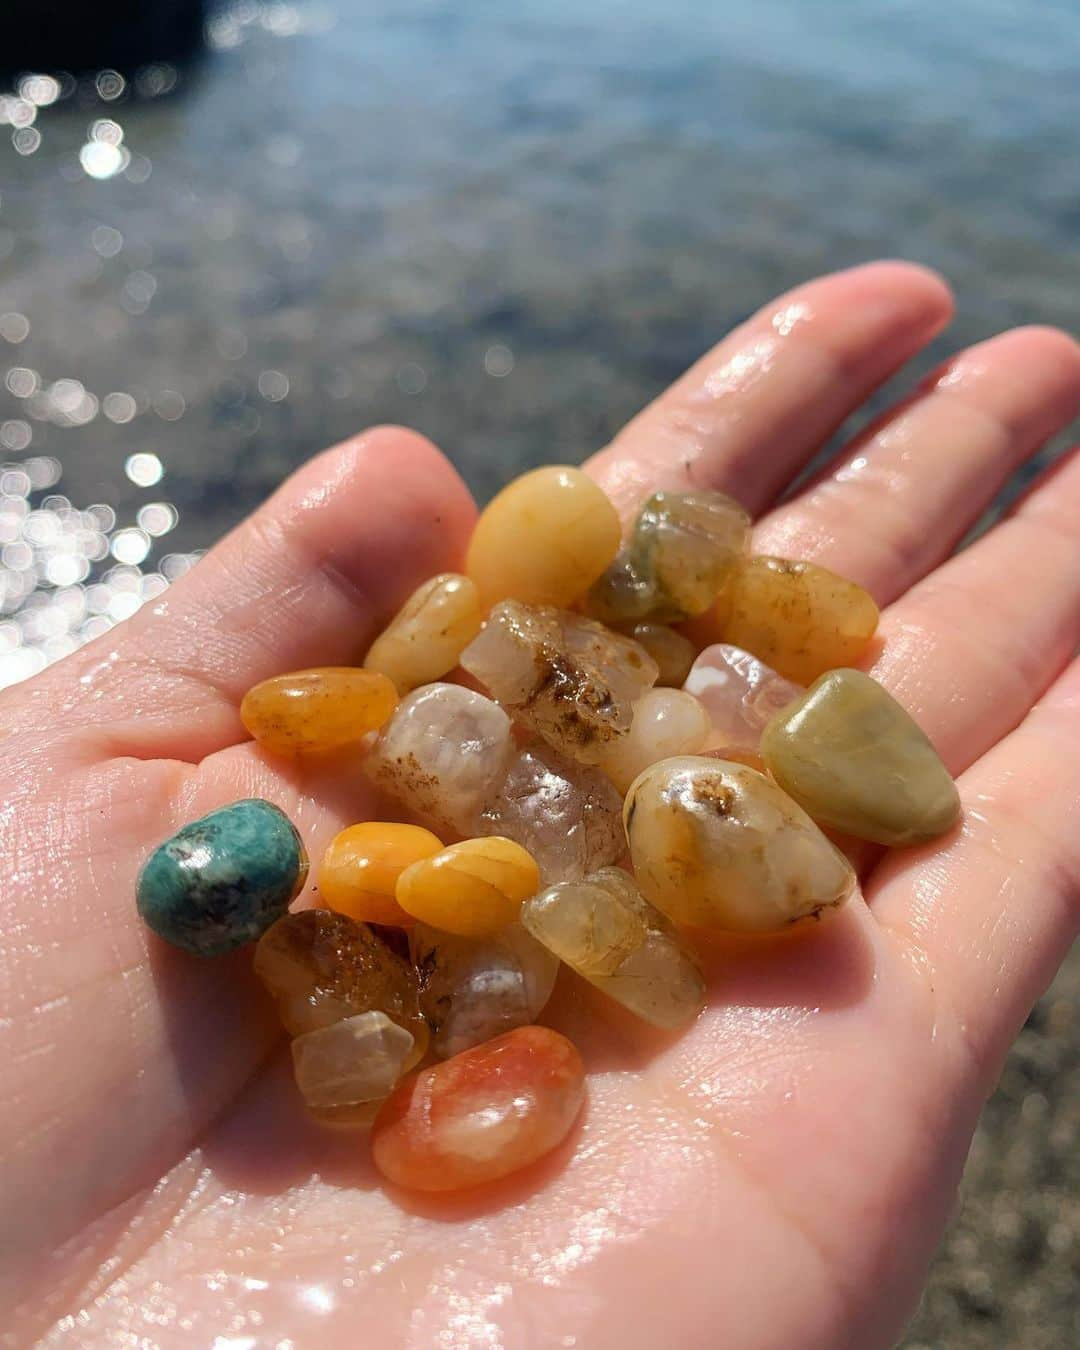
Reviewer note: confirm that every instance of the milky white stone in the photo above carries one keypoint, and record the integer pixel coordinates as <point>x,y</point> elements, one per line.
<point>666,722</point>
<point>358,1059</point>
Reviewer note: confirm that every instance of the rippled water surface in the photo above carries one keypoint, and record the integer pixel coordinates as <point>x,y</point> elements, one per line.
<point>508,225</point>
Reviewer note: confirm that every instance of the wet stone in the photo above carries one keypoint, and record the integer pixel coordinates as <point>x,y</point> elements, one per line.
<point>310,711</point>
<point>568,815</point>
<point>223,880</point>
<point>855,760</point>
<point>428,634</point>
<point>473,888</point>
<point>740,695</point>
<point>666,722</point>
<point>473,990</point>
<point>717,845</point>
<point>358,1059</point>
<point>572,681</point>
<point>605,930</point>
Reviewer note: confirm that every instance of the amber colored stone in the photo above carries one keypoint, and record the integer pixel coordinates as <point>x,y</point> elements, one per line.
<point>798,618</point>
<point>544,539</point>
<point>361,866</point>
<point>428,634</point>
<point>681,552</point>
<point>568,815</point>
<point>673,653</point>
<point>473,888</point>
<point>472,990</point>
<point>569,679</point>
<point>316,710</point>
<point>740,694</point>
<point>484,1114</point>
<point>718,845</point>
<point>443,754</point>
<point>604,929</point>
<point>358,1059</point>
<point>666,722</point>
<point>321,967</point>
<point>855,760</point>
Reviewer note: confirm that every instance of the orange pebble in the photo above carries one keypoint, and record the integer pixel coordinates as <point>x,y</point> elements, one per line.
<point>316,710</point>
<point>360,869</point>
<point>487,1112</point>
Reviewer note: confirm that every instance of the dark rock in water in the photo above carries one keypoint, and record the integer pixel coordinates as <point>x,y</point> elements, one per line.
<point>45,35</point>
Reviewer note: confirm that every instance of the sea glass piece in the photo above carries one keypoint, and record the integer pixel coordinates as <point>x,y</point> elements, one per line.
<point>854,759</point>
<point>317,710</point>
<point>322,967</point>
<point>544,539</point>
<point>484,1114</point>
<point>472,889</point>
<point>666,722</point>
<point>358,1059</point>
<point>443,754</point>
<point>473,990</point>
<point>673,653</point>
<point>361,866</point>
<point>740,694</point>
<point>604,929</point>
<point>568,816</point>
<point>428,634</point>
<point>574,682</point>
<point>222,880</point>
<point>680,555</point>
<point>798,618</point>
<point>717,845</point>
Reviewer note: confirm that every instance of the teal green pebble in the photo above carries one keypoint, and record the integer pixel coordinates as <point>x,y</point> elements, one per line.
<point>223,880</point>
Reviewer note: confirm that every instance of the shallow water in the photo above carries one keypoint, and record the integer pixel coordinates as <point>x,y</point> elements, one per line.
<point>506,225</point>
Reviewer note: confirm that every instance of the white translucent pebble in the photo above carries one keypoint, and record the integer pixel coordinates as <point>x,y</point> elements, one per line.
<point>475,989</point>
<point>356,1060</point>
<point>739,693</point>
<point>443,754</point>
<point>568,816</point>
<point>666,722</point>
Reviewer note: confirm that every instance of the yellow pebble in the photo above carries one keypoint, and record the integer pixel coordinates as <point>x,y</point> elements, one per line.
<point>360,869</point>
<point>425,638</point>
<point>799,618</point>
<point>474,888</point>
<point>544,539</point>
<point>321,709</point>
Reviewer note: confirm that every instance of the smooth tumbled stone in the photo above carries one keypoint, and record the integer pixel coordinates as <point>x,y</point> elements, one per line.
<point>740,694</point>
<point>443,754</point>
<point>572,681</point>
<point>484,1114</point>
<point>358,1059</point>
<point>673,653</point>
<point>322,967</point>
<point>568,815</point>
<point>223,880</point>
<point>666,722</point>
<point>851,756</point>
<point>544,539</point>
<point>360,869</point>
<point>425,638</point>
<point>798,618</point>
<point>473,990</point>
<point>310,711</point>
<point>473,888</point>
<point>680,555</point>
<point>717,845</point>
<point>604,929</point>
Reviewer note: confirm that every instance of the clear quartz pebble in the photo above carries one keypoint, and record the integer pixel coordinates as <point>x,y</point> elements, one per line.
<point>571,680</point>
<point>666,722</point>
<point>358,1059</point>
<point>443,754</point>
<point>569,816</point>
<point>474,989</point>
<point>605,930</point>
<point>740,694</point>
<point>717,845</point>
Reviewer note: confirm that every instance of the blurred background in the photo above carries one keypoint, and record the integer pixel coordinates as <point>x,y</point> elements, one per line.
<point>239,232</point>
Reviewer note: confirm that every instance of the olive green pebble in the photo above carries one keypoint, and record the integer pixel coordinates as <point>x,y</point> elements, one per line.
<point>223,880</point>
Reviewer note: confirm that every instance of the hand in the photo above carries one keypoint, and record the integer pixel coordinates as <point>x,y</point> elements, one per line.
<point>779,1175</point>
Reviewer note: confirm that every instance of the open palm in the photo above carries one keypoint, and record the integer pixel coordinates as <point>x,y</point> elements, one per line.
<point>779,1175</point>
